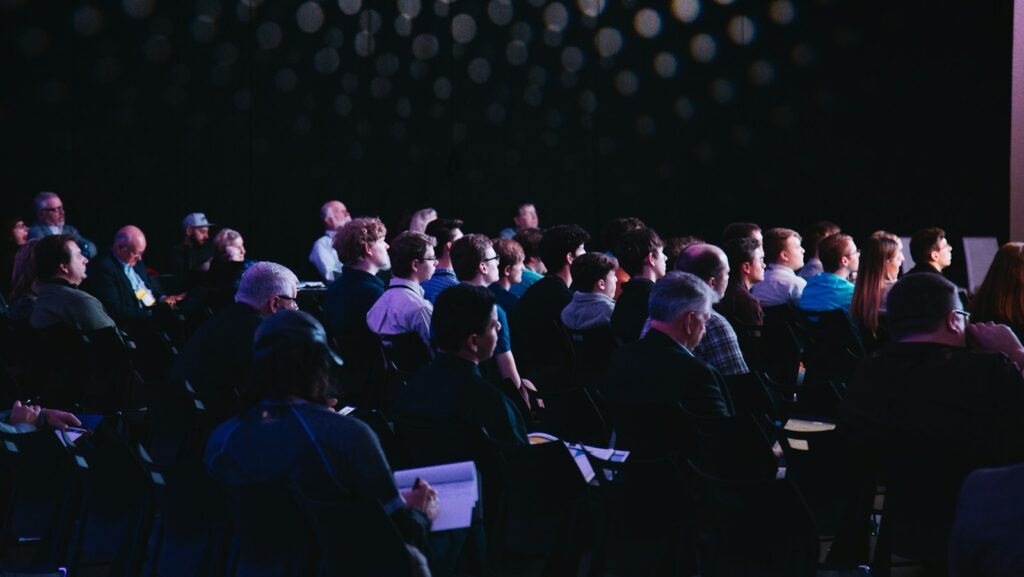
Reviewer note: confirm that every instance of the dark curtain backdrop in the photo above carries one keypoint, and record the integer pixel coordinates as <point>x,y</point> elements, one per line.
<point>688,114</point>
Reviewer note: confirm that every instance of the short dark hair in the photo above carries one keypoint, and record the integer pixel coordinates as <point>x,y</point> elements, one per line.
<point>467,254</point>
<point>51,252</point>
<point>442,229</point>
<point>509,253</point>
<point>775,240</point>
<point>919,304</point>
<point>559,241</point>
<point>924,242</point>
<point>816,233</point>
<point>617,227</point>
<point>589,268</point>
<point>739,230</point>
<point>831,251</point>
<point>701,260</point>
<point>740,250</point>
<point>634,247</point>
<point>529,239</point>
<point>460,311</point>
<point>406,248</point>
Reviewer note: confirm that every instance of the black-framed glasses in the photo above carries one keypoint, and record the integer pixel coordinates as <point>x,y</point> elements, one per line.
<point>963,313</point>
<point>495,257</point>
<point>53,209</point>
<point>293,300</point>
<point>426,258</point>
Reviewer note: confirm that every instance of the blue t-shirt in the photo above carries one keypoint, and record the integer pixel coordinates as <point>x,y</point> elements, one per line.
<point>529,277</point>
<point>825,292</point>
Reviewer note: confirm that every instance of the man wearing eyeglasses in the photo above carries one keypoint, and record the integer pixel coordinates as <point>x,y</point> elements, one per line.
<point>831,289</point>
<point>50,220</point>
<point>402,308</point>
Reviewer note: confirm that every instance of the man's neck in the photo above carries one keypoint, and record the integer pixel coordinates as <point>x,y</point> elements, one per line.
<point>464,354</point>
<point>366,266</point>
<point>444,262</point>
<point>407,279</point>
<point>565,274</point>
<point>647,273</point>
<point>478,280</point>
<point>670,331</point>
<point>63,278</point>
<point>746,282</point>
<point>938,338</point>
<point>843,273</point>
<point>938,268</point>
<point>505,283</point>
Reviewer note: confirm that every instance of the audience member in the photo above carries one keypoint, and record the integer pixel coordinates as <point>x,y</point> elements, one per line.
<point>510,273</point>
<point>23,283</point>
<point>989,525</point>
<point>421,218</point>
<point>746,263</point>
<point>1000,298</point>
<point>611,234</point>
<point>476,264</point>
<point>719,347</point>
<point>594,278</point>
<point>50,220</point>
<point>784,256</point>
<point>525,217</point>
<point>879,265</point>
<point>120,281</point>
<point>17,237</point>
<point>60,268</point>
<point>402,308</point>
<point>742,230</point>
<point>324,257</point>
<point>226,268</point>
<point>660,370</point>
<point>830,290</point>
<point>676,245</point>
<point>193,255</point>
<point>445,231</point>
<point>942,400</point>
<point>815,234</point>
<point>292,435</point>
<point>533,266</point>
<point>217,359</point>
<point>642,256</point>
<point>364,253</point>
<point>27,418</point>
<point>931,251</point>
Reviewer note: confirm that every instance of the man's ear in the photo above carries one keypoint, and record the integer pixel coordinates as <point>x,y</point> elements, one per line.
<point>506,271</point>
<point>747,267</point>
<point>952,324</point>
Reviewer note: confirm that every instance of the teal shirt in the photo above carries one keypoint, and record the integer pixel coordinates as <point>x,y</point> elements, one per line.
<point>825,292</point>
<point>529,277</point>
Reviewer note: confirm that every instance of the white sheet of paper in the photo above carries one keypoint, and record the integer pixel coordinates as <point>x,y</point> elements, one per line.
<point>457,491</point>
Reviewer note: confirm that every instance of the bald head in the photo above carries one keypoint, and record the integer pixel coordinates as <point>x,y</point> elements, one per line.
<point>129,244</point>
<point>334,214</point>
<point>708,262</point>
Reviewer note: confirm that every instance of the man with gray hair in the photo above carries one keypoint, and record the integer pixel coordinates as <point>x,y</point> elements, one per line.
<point>217,358</point>
<point>50,220</point>
<point>661,369</point>
<point>334,215</point>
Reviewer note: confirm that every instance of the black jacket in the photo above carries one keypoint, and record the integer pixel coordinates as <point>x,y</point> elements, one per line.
<point>108,282</point>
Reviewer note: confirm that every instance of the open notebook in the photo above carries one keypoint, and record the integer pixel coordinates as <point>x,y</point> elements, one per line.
<point>457,491</point>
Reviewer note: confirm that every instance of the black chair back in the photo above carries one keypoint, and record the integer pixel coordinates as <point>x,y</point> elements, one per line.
<point>406,351</point>
<point>594,348</point>
<point>572,415</point>
<point>273,536</point>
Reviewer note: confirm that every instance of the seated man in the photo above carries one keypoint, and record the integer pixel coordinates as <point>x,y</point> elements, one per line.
<point>445,231</point>
<point>50,220</point>
<point>217,358</point>
<point>735,230</point>
<point>719,347</point>
<point>660,370</point>
<point>784,256</point>
<point>294,437</point>
<point>746,262</point>
<point>931,251</point>
<point>363,251</point>
<point>402,308</point>
<point>120,281</point>
<point>323,256</point>
<point>611,234</point>
<point>533,266</point>
<point>642,255</point>
<point>830,290</point>
<point>524,218</point>
<point>476,264</point>
<point>60,266</point>
<point>815,234</point>
<point>940,401</point>
<point>594,276</point>
<point>195,252</point>
<point>450,393</point>
<point>510,273</point>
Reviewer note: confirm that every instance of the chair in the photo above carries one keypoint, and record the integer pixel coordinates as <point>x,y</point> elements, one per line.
<point>908,259</point>
<point>406,351</point>
<point>544,353</point>
<point>593,348</point>
<point>832,346</point>
<point>752,527</point>
<point>273,536</point>
<point>750,396</point>
<point>572,415</point>
<point>393,450</point>
<point>778,351</point>
<point>979,252</point>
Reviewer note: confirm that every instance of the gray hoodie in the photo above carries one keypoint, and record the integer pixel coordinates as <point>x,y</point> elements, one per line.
<point>588,311</point>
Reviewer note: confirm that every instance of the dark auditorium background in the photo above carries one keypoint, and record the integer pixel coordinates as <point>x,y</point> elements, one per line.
<point>687,113</point>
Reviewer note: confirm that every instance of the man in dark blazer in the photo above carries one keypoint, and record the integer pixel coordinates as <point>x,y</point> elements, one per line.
<point>659,372</point>
<point>50,220</point>
<point>120,281</point>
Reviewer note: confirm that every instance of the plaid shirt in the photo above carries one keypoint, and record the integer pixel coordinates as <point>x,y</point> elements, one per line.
<point>719,347</point>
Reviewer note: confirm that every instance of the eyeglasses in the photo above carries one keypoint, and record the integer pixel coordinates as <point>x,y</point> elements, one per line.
<point>292,300</point>
<point>53,209</point>
<point>426,258</point>
<point>963,313</point>
<point>495,257</point>
<point>852,253</point>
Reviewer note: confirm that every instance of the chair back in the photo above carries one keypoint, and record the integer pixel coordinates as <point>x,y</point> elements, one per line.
<point>593,350</point>
<point>273,536</point>
<point>979,252</point>
<point>572,415</point>
<point>406,351</point>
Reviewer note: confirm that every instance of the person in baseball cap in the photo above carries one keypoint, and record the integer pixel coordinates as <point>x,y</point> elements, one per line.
<point>191,258</point>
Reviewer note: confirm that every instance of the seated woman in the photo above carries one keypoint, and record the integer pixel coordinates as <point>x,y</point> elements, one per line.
<point>1000,299</point>
<point>226,268</point>
<point>17,236</point>
<point>880,262</point>
<point>23,283</point>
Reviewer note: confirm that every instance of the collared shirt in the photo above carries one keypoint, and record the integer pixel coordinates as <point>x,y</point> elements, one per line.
<point>442,279</point>
<point>826,292</point>
<point>142,292</point>
<point>780,286</point>
<point>719,347</point>
<point>401,309</point>
<point>529,277</point>
<point>811,268</point>
<point>325,258</point>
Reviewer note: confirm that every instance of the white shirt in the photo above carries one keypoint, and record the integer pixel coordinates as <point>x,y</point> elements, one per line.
<point>325,258</point>
<point>401,309</point>
<point>780,286</point>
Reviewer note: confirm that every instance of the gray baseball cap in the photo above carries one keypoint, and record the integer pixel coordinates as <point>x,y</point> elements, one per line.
<point>194,220</point>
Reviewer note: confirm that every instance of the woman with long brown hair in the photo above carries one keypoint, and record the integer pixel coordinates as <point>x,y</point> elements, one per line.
<point>1000,298</point>
<point>880,261</point>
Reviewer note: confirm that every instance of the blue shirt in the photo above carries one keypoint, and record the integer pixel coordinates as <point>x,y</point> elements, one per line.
<point>825,292</point>
<point>529,277</point>
<point>504,298</point>
<point>442,279</point>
